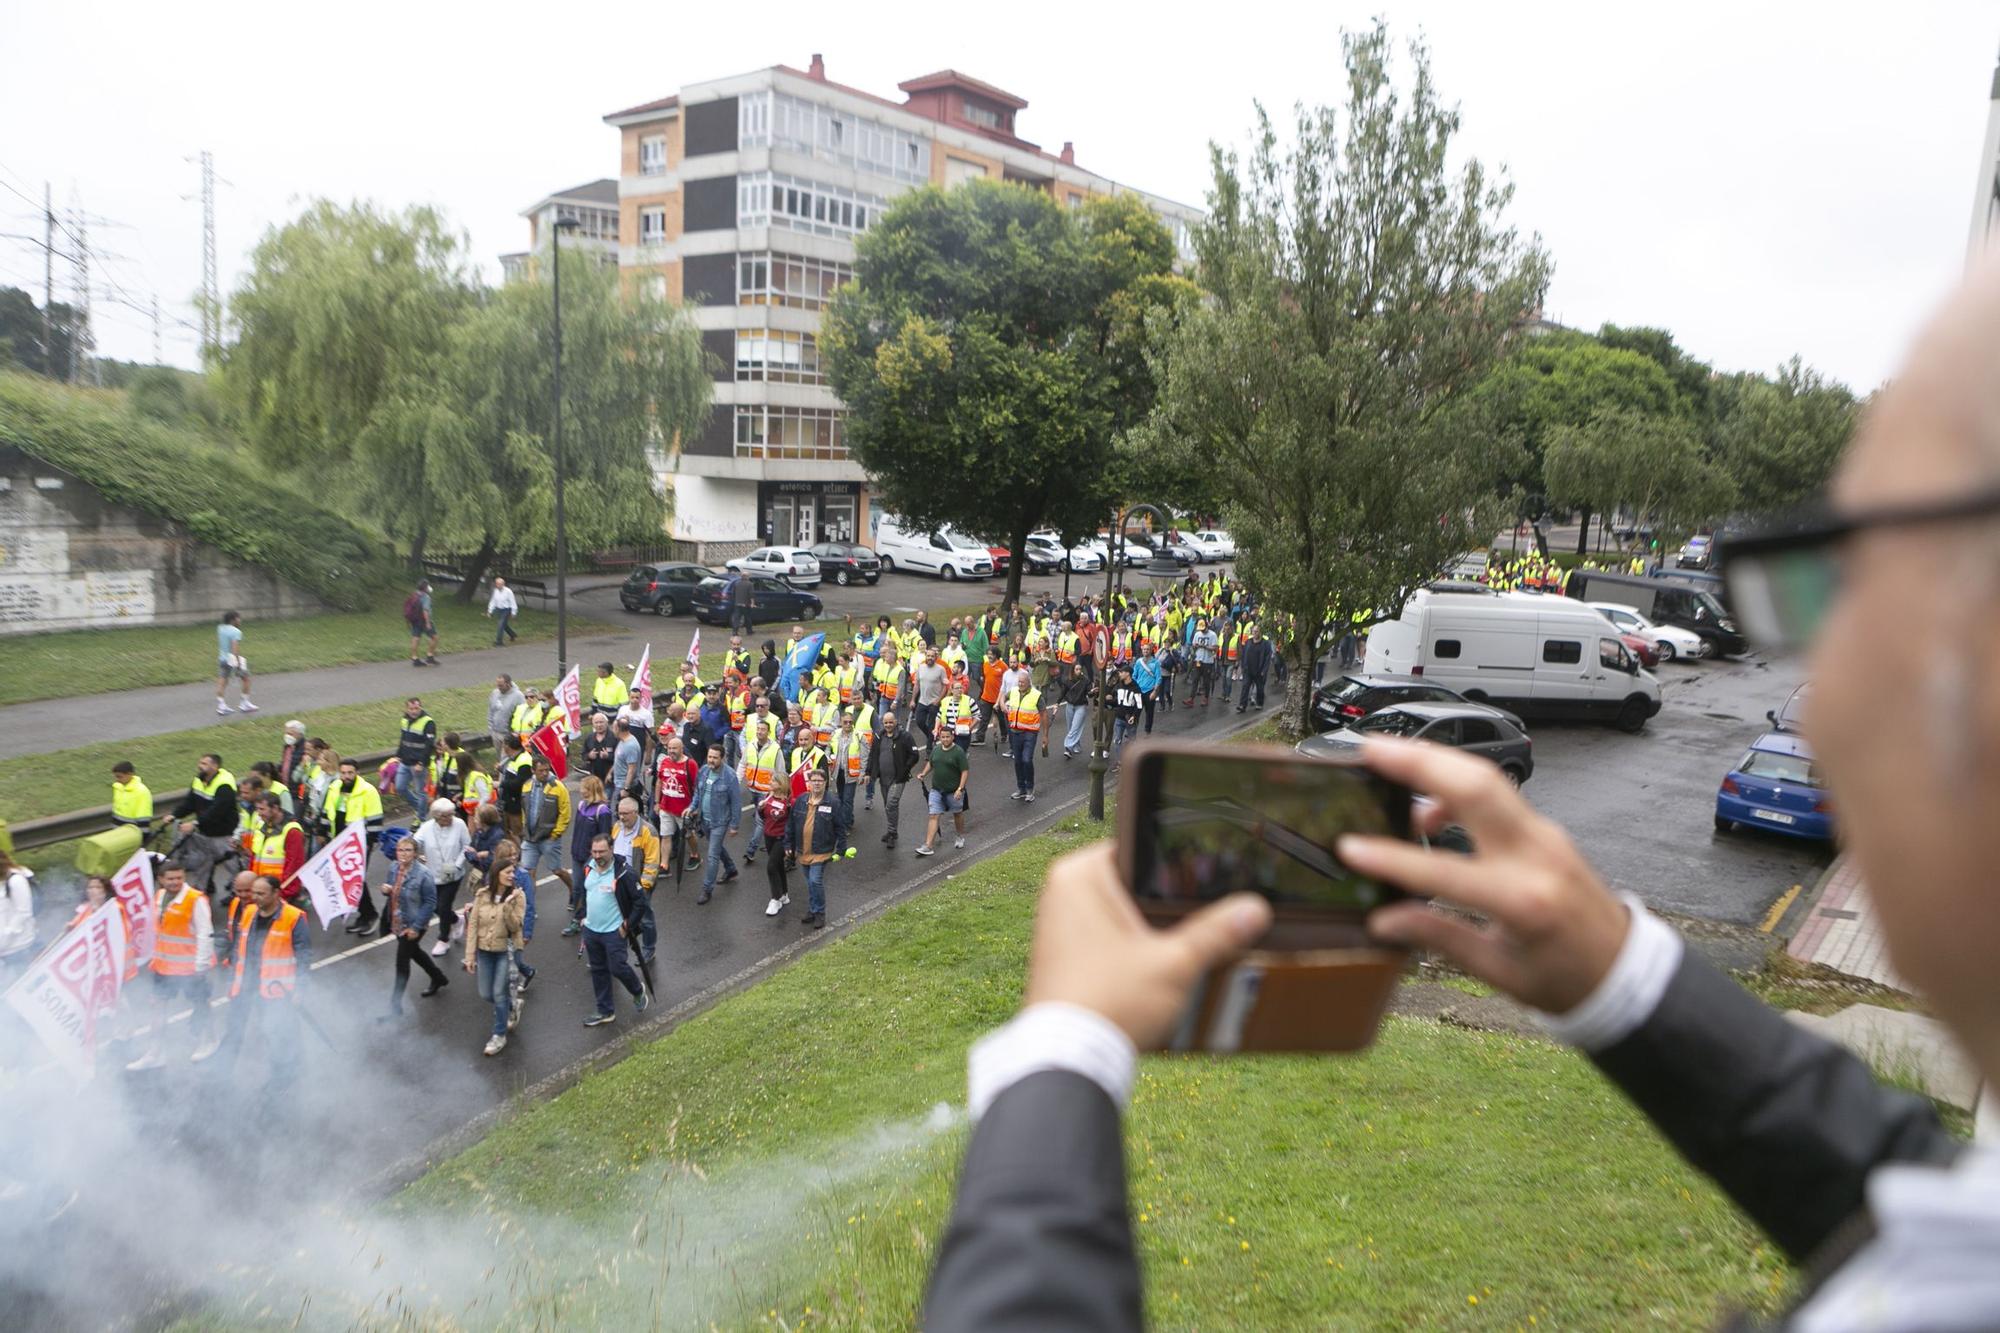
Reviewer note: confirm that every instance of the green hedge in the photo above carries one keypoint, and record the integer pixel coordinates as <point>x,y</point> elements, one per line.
<point>210,486</point>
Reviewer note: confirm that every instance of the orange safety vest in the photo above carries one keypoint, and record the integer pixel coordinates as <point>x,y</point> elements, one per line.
<point>888,683</point>
<point>174,942</point>
<point>855,754</point>
<point>277,969</point>
<point>958,711</point>
<point>739,708</point>
<point>850,684</point>
<point>826,718</point>
<point>760,767</point>
<point>1235,643</point>
<point>1121,646</point>
<point>1024,711</point>
<point>1066,647</point>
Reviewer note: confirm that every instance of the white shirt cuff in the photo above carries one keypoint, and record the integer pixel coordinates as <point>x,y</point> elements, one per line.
<point>1630,991</point>
<point>1050,1036</point>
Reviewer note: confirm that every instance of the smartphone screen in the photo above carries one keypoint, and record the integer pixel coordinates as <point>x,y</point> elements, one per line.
<point>1216,822</point>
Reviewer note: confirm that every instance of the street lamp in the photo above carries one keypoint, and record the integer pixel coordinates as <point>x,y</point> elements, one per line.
<point>1162,569</point>
<point>562,225</point>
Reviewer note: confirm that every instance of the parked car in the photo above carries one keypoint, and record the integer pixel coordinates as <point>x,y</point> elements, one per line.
<point>794,564</point>
<point>846,563</point>
<point>1647,651</point>
<point>1788,718</point>
<point>1474,728</point>
<point>771,599</point>
<point>1183,551</point>
<point>1345,700</point>
<point>663,590</point>
<point>1078,559</point>
<point>1776,786</point>
<point>1669,641</point>
<point>1696,553</point>
<point>946,554</point>
<point>1664,601</point>
<point>1034,559</point>
<point>1213,543</point>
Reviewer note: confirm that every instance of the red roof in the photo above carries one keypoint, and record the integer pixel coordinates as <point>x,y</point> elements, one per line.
<point>951,78</point>
<point>664,104</point>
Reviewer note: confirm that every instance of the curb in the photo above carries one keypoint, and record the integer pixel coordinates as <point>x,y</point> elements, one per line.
<point>398,1174</point>
<point>1794,915</point>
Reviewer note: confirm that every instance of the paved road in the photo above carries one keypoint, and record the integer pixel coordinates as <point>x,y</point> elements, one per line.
<point>54,724</point>
<point>1643,806</point>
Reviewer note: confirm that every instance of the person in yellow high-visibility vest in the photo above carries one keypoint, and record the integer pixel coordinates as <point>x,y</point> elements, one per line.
<point>131,799</point>
<point>607,693</point>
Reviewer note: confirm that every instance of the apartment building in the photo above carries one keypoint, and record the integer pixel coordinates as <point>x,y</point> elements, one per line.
<point>744,196</point>
<point>592,206</point>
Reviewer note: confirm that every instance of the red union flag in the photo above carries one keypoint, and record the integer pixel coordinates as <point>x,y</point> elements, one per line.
<point>548,742</point>
<point>335,878</point>
<point>65,991</point>
<point>569,695</point>
<point>642,679</point>
<point>134,886</point>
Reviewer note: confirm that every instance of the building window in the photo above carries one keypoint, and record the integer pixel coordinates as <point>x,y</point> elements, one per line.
<point>982,115</point>
<point>790,432</point>
<point>957,171</point>
<point>778,356</point>
<point>753,120</point>
<point>652,226</point>
<point>788,280</point>
<point>1073,199</point>
<point>779,120</point>
<point>653,155</point>
<point>772,199</point>
<point>597,224</point>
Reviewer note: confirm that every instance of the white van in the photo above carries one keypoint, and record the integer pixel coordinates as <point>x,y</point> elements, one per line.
<point>1538,655</point>
<point>945,554</point>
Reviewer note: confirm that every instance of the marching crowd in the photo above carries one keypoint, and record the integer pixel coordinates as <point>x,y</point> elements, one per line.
<point>793,734</point>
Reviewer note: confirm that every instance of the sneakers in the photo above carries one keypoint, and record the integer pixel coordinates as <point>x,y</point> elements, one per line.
<point>642,999</point>
<point>416,661</point>
<point>774,908</point>
<point>495,1045</point>
<point>706,894</point>
<point>514,1014</point>
<point>925,849</point>
<point>432,660</point>
<point>150,1060</point>
<point>206,1049</point>
<point>573,928</point>
<point>246,707</point>
<point>1030,797</point>
<point>958,843</point>
<point>731,875</point>
<point>1016,795</point>
<point>441,948</point>
<point>749,858</point>
<point>527,980</point>
<point>221,708</point>
<point>868,804</point>
<point>599,1020</point>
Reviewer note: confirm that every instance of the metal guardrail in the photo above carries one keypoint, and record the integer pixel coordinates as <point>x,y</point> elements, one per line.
<point>51,829</point>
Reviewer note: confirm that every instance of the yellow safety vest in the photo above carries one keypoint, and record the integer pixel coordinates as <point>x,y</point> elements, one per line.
<point>267,852</point>
<point>1024,711</point>
<point>609,692</point>
<point>210,786</point>
<point>527,718</point>
<point>761,766</point>
<point>131,800</point>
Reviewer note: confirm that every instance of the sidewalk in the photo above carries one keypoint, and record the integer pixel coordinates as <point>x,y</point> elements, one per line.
<point>1840,930</point>
<point>57,724</point>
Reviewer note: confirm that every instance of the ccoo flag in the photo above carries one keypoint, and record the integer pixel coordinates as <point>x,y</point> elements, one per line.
<point>797,662</point>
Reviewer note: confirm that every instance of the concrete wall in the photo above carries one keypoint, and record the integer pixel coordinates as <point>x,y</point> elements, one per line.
<point>70,559</point>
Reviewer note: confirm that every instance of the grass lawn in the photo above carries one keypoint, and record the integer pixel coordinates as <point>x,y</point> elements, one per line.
<point>48,666</point>
<point>787,1160</point>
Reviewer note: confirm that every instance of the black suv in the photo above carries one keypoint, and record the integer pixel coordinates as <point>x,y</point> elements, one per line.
<point>664,590</point>
<point>1345,700</point>
<point>845,563</point>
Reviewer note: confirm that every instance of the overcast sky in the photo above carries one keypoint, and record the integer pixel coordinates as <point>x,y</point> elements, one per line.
<point>1761,179</point>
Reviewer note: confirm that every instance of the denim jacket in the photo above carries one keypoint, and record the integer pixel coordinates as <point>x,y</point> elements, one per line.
<point>416,897</point>
<point>718,798</point>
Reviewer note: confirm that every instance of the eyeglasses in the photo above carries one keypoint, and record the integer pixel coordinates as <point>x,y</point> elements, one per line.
<point>1783,580</point>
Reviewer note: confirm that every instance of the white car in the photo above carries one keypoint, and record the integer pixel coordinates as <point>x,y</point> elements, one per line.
<point>1671,640</point>
<point>1079,559</point>
<point>1213,543</point>
<point>794,564</point>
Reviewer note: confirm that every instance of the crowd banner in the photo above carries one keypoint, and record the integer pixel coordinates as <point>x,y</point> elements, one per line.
<point>74,984</point>
<point>133,885</point>
<point>642,679</point>
<point>569,695</point>
<point>335,878</point>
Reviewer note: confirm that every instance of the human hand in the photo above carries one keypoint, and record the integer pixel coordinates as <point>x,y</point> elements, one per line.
<point>468,965</point>
<point>1093,949</point>
<point>1553,929</point>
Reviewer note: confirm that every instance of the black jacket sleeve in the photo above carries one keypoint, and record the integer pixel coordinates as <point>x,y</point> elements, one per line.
<point>1039,1237</point>
<point>1788,1123</point>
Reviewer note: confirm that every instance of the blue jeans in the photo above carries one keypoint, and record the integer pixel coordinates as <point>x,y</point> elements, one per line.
<point>522,971</point>
<point>815,887</point>
<point>491,976</point>
<point>1024,762</point>
<point>501,628</point>
<point>756,834</point>
<point>410,786</point>
<point>535,854</point>
<point>1079,714</point>
<point>846,796</point>
<point>1121,731</point>
<point>716,855</point>
<point>606,951</point>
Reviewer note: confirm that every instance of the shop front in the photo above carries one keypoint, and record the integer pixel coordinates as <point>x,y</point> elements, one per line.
<point>808,512</point>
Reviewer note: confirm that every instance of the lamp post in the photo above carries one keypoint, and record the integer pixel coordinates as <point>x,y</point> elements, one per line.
<point>562,225</point>
<point>1161,569</point>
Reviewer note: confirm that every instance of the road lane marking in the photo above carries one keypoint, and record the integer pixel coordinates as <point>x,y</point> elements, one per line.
<point>1777,912</point>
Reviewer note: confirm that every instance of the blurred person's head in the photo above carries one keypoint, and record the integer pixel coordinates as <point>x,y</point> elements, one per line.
<point>1905,707</point>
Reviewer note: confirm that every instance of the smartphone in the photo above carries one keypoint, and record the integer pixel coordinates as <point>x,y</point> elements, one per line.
<point>1198,822</point>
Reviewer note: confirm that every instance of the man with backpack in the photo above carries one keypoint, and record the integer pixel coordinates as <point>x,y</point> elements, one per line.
<point>417,615</point>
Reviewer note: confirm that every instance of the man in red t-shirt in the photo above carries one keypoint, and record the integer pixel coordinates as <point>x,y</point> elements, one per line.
<point>774,811</point>
<point>677,775</point>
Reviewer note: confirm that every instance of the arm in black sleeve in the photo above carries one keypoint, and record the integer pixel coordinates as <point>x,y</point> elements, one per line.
<point>1788,1123</point>
<point>1039,1237</point>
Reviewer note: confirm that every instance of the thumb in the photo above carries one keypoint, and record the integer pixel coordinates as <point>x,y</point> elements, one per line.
<point>1219,931</point>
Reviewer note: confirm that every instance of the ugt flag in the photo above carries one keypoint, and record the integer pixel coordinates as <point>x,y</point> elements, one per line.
<point>334,879</point>
<point>694,649</point>
<point>642,679</point>
<point>134,886</point>
<point>67,990</point>
<point>569,694</point>
<point>798,662</point>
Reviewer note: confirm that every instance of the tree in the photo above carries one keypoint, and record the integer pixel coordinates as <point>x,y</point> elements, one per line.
<point>1781,438</point>
<point>1691,378</point>
<point>1657,464</point>
<point>990,351</point>
<point>1359,290</point>
<point>22,335</point>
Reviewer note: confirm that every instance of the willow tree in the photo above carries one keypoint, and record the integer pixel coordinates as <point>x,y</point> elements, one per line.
<point>1360,285</point>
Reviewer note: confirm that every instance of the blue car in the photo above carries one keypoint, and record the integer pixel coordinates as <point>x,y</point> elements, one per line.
<point>1776,786</point>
